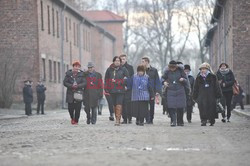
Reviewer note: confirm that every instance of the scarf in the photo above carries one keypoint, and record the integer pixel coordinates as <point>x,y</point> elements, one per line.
<point>224,71</point>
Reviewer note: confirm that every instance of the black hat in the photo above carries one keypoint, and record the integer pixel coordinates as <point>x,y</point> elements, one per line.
<point>187,67</point>
<point>173,62</point>
<point>179,62</point>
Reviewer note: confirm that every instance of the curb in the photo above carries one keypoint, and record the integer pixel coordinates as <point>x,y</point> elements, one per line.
<point>8,117</point>
<point>241,113</point>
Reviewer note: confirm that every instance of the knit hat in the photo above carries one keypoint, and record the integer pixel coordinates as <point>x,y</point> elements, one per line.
<point>187,67</point>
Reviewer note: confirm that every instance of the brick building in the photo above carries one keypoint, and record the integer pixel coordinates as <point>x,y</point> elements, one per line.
<point>229,39</point>
<point>45,37</point>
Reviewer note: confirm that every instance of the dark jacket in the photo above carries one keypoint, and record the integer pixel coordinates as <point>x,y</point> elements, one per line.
<point>130,73</point>
<point>206,96</point>
<point>176,93</point>
<point>120,75</point>
<point>94,89</point>
<point>154,79</point>
<point>40,90</point>
<point>27,94</point>
<point>190,101</point>
<point>69,81</point>
<point>228,79</point>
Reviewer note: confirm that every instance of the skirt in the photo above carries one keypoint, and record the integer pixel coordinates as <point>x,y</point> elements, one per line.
<point>140,109</point>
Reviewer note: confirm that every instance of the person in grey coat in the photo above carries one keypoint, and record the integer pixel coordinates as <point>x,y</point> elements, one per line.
<point>40,90</point>
<point>176,94</point>
<point>28,97</point>
<point>92,93</point>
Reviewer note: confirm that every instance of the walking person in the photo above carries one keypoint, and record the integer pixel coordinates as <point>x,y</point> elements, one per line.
<point>176,95</point>
<point>28,97</point>
<point>127,110</point>
<point>115,82</point>
<point>206,93</point>
<point>92,93</point>
<point>75,82</point>
<point>226,80</point>
<point>40,90</point>
<point>190,101</point>
<point>238,98</point>
<point>155,82</point>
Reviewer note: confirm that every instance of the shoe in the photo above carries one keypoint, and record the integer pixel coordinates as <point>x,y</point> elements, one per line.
<point>211,124</point>
<point>189,121</point>
<point>172,125</point>
<point>223,120</point>
<point>228,120</point>
<point>203,124</point>
<point>99,113</point>
<point>88,121</point>
<point>125,122</point>
<point>141,124</point>
<point>111,118</point>
<point>73,121</point>
<point>130,122</point>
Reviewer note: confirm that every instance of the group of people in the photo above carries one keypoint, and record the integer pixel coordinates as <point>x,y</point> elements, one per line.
<point>133,94</point>
<point>28,97</point>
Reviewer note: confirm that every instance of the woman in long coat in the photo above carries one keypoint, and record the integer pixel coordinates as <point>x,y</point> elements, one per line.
<point>177,90</point>
<point>206,91</point>
<point>142,93</point>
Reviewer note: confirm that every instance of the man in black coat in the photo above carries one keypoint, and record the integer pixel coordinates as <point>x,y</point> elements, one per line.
<point>40,90</point>
<point>155,83</point>
<point>92,93</point>
<point>127,110</point>
<point>28,97</point>
<point>190,102</point>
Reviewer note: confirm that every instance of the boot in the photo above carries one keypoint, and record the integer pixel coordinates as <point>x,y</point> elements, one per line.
<point>118,115</point>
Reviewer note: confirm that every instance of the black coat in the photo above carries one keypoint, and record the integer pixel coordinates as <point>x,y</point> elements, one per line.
<point>130,73</point>
<point>27,94</point>
<point>120,75</point>
<point>206,96</point>
<point>40,90</point>
<point>69,81</point>
<point>190,101</point>
<point>94,89</point>
<point>154,79</point>
<point>228,79</point>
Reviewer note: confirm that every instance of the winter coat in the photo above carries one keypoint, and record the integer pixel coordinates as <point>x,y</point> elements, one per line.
<point>120,75</point>
<point>141,89</point>
<point>27,94</point>
<point>190,101</point>
<point>176,93</point>
<point>205,93</point>
<point>69,81</point>
<point>40,90</point>
<point>238,98</point>
<point>154,79</point>
<point>130,73</point>
<point>228,79</point>
<point>94,89</point>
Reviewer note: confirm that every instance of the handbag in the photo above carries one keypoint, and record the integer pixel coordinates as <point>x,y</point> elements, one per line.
<point>236,89</point>
<point>219,107</point>
<point>78,96</point>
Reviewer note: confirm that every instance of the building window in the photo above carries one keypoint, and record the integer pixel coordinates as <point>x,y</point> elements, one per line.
<point>83,41</point>
<point>70,53</point>
<point>89,41</point>
<point>42,23</point>
<point>74,29</point>
<point>69,24</point>
<point>44,69</point>
<point>57,24</point>
<point>66,28</point>
<point>67,67</point>
<point>55,72</point>
<point>48,20</point>
<point>53,21</point>
<point>77,32</point>
<point>50,70</point>
<point>59,71</point>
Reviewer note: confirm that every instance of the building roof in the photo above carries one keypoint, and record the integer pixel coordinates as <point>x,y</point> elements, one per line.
<point>217,10</point>
<point>102,16</point>
<point>209,36</point>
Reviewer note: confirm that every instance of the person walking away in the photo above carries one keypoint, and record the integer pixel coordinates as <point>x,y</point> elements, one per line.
<point>190,101</point>
<point>28,97</point>
<point>206,93</point>
<point>75,82</point>
<point>155,82</point>
<point>142,93</point>
<point>40,90</point>
<point>126,111</point>
<point>175,80</point>
<point>226,80</point>
<point>115,82</point>
<point>238,98</point>
<point>92,93</point>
